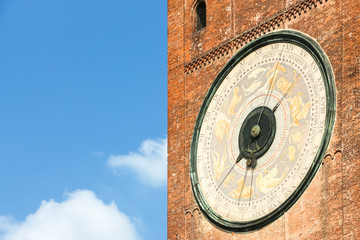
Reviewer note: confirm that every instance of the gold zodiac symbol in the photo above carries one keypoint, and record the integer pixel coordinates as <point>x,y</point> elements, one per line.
<point>219,164</point>
<point>222,128</point>
<point>299,110</point>
<point>228,180</point>
<point>273,74</point>
<point>246,193</point>
<point>234,101</point>
<point>284,85</point>
<point>269,180</point>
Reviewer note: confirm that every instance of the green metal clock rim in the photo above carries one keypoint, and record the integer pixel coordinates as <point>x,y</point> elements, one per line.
<point>309,44</point>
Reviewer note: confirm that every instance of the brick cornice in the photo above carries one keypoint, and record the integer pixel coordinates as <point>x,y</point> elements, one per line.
<point>246,37</point>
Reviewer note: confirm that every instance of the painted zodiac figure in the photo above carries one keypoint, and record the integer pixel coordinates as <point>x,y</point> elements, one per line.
<point>269,180</point>
<point>291,152</point>
<point>271,77</point>
<point>247,191</point>
<point>296,137</point>
<point>219,164</point>
<point>257,75</point>
<point>228,180</point>
<point>222,127</point>
<point>273,74</point>
<point>234,101</point>
<point>284,85</point>
<point>299,110</point>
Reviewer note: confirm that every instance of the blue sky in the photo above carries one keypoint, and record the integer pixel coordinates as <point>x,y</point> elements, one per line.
<point>83,119</point>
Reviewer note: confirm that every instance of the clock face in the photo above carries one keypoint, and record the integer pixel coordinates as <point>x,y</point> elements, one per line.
<point>262,131</point>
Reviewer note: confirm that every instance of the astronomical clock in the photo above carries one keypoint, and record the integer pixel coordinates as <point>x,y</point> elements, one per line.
<point>262,130</point>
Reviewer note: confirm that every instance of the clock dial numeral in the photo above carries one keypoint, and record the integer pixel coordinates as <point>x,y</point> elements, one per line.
<point>303,53</point>
<point>289,47</point>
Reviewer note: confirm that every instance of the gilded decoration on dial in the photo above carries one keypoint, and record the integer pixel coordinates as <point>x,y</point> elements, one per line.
<point>259,135</point>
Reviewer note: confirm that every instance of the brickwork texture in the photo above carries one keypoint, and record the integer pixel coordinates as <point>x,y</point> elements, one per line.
<point>330,207</point>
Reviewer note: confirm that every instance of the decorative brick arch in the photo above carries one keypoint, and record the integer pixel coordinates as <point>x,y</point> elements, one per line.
<point>239,41</point>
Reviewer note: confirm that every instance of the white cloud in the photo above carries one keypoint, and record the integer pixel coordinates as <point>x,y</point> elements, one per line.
<point>82,216</point>
<point>150,162</point>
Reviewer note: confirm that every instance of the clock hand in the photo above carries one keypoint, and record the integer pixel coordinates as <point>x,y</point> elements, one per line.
<point>237,161</point>
<point>250,163</point>
<point>253,165</point>
<point>242,188</point>
<point>285,94</point>
<point>252,175</point>
<point>267,96</point>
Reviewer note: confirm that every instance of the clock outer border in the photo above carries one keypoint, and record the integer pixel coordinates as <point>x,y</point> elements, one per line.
<point>313,48</point>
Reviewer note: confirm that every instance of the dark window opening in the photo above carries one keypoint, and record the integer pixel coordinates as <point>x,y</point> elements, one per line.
<point>200,16</point>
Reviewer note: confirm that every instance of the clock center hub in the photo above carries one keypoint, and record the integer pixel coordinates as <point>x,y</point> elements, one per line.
<point>257,132</point>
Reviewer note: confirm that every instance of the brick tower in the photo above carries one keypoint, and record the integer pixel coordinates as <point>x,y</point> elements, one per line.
<point>198,50</point>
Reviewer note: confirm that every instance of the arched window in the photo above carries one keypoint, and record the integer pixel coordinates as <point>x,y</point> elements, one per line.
<point>200,15</point>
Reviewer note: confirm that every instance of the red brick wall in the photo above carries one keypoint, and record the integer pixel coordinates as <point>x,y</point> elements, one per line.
<point>330,207</point>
